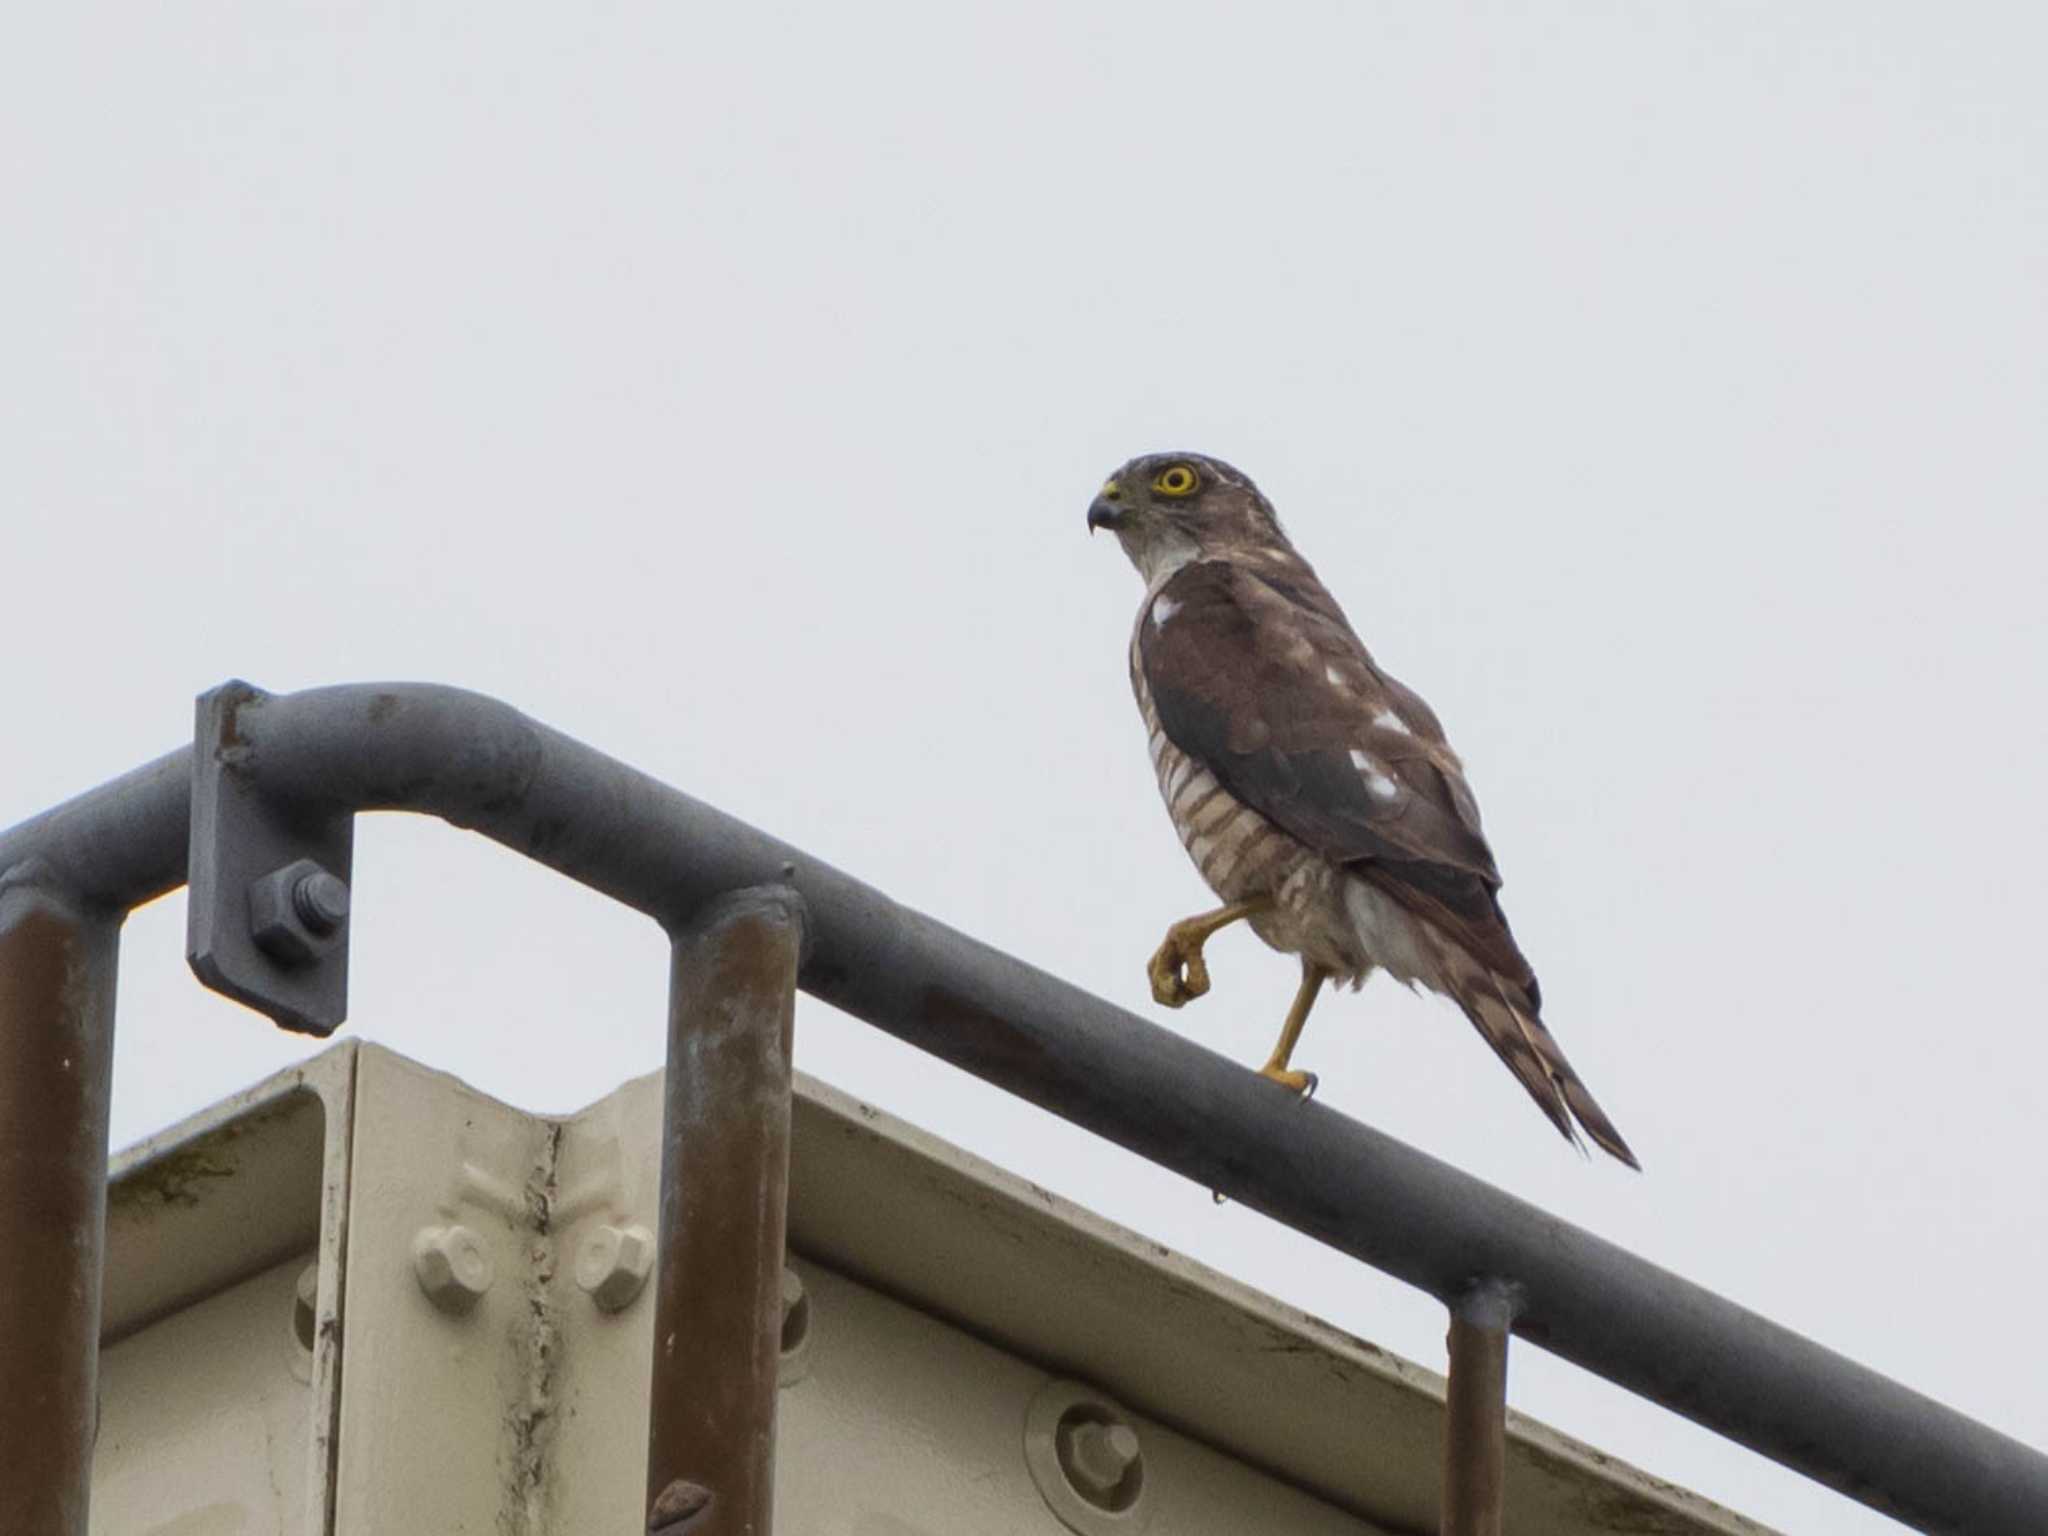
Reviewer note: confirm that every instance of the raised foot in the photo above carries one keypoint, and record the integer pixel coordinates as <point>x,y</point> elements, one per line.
<point>1299,1083</point>
<point>1177,971</point>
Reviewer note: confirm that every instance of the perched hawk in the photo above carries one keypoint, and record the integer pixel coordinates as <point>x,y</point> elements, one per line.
<point>1316,795</point>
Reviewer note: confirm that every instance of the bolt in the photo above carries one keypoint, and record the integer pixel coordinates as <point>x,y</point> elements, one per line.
<point>676,1506</point>
<point>1098,1459</point>
<point>453,1267</point>
<point>321,901</point>
<point>305,1306</point>
<point>296,912</point>
<point>796,1310</point>
<point>614,1265</point>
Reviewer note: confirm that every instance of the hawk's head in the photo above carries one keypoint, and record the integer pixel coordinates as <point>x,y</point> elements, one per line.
<point>1169,508</point>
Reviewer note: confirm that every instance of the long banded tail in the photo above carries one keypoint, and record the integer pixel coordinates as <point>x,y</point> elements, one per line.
<point>1519,1038</point>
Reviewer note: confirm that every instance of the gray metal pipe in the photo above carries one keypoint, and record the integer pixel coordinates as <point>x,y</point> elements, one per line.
<point>481,764</point>
<point>57,964</point>
<point>116,846</point>
<point>724,1203</point>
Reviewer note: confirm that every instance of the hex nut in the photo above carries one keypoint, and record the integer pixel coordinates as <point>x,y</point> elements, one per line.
<point>296,913</point>
<point>453,1267</point>
<point>614,1264</point>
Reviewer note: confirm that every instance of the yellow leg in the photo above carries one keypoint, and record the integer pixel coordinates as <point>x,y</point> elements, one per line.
<point>1181,952</point>
<point>1312,979</point>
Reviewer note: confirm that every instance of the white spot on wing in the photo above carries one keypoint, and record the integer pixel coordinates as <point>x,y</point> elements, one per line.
<point>1163,608</point>
<point>1387,720</point>
<point>1375,777</point>
<point>1334,676</point>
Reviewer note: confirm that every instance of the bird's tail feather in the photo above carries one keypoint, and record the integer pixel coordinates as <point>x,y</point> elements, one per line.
<point>1519,1038</point>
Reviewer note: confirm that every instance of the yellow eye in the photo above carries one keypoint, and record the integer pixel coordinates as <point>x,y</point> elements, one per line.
<point>1177,481</point>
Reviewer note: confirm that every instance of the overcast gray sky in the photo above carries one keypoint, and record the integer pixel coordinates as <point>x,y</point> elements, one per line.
<point>1661,388</point>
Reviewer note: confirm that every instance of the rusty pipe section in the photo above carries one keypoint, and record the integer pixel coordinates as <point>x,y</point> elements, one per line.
<point>724,1199</point>
<point>1476,1412</point>
<point>57,964</point>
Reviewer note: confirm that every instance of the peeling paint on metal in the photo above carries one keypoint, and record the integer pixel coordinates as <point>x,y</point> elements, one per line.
<point>537,1339</point>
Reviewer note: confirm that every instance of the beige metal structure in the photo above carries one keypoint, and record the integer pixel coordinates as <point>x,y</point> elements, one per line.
<point>363,1298</point>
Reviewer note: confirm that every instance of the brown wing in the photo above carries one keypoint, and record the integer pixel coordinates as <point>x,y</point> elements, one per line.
<point>1259,678</point>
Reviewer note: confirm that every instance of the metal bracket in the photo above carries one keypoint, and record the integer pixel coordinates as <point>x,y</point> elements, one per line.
<point>267,916</point>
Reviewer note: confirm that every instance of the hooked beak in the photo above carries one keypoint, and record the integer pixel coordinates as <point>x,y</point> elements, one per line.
<point>1106,510</point>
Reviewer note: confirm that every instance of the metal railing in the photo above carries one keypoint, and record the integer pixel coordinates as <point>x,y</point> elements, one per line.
<point>257,818</point>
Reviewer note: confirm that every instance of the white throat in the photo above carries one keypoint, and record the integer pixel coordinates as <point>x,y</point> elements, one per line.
<point>1161,556</point>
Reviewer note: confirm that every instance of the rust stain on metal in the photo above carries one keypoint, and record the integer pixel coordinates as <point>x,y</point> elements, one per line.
<point>718,1278</point>
<point>183,1177</point>
<point>233,747</point>
<point>179,1179</point>
<point>1475,1419</point>
<point>56,1046</point>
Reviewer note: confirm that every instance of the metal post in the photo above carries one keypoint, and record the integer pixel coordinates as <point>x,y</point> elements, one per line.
<point>56,1056</point>
<point>724,1197</point>
<point>1476,1412</point>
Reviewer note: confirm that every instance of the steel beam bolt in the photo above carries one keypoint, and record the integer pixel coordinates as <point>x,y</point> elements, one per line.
<point>453,1266</point>
<point>306,1306</point>
<point>1102,1461</point>
<point>677,1507</point>
<point>796,1311</point>
<point>793,1357</point>
<point>614,1265</point>
<point>296,913</point>
<point>321,901</point>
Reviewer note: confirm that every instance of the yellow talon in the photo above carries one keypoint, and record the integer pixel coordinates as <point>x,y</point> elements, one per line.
<point>1177,971</point>
<point>1293,1079</point>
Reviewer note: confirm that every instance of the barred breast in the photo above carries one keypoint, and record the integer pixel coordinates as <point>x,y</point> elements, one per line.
<point>1239,853</point>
